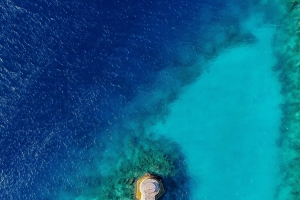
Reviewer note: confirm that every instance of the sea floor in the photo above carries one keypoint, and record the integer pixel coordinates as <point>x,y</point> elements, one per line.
<point>227,122</point>
<point>108,91</point>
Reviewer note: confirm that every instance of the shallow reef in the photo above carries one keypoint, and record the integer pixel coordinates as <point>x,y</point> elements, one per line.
<point>287,51</point>
<point>143,154</point>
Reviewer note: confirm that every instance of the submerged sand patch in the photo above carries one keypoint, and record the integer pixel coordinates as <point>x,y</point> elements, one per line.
<point>227,122</point>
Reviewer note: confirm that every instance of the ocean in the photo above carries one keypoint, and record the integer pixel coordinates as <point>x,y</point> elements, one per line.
<point>96,93</point>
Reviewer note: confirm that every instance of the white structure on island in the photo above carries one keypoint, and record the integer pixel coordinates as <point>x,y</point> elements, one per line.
<point>148,187</point>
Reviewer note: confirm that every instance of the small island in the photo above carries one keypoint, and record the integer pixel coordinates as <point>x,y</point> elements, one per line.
<point>148,187</point>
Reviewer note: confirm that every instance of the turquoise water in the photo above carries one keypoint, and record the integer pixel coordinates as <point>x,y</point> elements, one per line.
<point>110,90</point>
<point>227,122</point>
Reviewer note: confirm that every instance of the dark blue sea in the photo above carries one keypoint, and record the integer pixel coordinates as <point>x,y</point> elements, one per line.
<point>81,78</point>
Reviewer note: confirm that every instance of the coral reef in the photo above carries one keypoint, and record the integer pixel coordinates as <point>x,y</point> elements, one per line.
<point>159,156</point>
<point>287,50</point>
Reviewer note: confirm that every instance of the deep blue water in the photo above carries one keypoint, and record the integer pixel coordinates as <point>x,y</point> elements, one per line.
<point>68,67</point>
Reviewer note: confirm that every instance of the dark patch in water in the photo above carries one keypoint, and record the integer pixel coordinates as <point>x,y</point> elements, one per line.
<point>67,68</point>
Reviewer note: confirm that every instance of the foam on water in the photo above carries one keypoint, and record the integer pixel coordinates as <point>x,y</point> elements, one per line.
<point>228,121</point>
